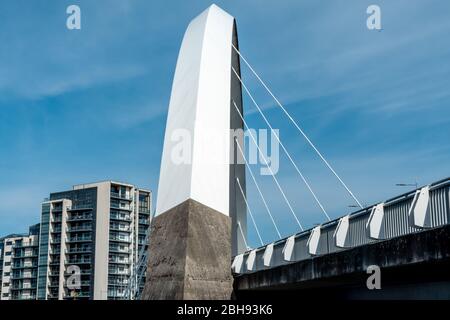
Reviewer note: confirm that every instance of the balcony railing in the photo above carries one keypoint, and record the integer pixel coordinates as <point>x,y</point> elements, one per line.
<point>80,217</point>
<point>27,255</point>
<point>116,227</point>
<point>79,261</point>
<point>80,208</point>
<point>24,266</point>
<point>25,245</point>
<point>78,250</point>
<point>119,217</point>
<point>118,250</point>
<point>144,211</point>
<point>118,261</point>
<point>123,207</point>
<point>118,272</point>
<point>121,196</point>
<point>118,239</point>
<point>18,276</point>
<point>79,239</point>
<point>79,229</point>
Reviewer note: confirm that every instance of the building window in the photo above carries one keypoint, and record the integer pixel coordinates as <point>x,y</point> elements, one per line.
<point>9,243</point>
<point>8,253</point>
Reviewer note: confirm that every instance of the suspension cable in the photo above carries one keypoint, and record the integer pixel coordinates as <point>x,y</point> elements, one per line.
<point>283,147</point>
<point>299,129</point>
<point>259,190</point>
<point>270,169</point>
<point>250,211</point>
<point>242,234</point>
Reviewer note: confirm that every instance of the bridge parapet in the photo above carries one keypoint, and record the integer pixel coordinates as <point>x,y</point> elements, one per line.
<point>424,208</point>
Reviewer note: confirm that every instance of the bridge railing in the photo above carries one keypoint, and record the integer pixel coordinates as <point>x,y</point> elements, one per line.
<point>414,211</point>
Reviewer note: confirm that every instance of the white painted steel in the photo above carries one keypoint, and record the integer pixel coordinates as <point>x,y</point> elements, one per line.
<point>267,257</point>
<point>419,212</point>
<point>341,232</point>
<point>375,222</point>
<point>313,241</point>
<point>200,108</point>
<point>288,248</point>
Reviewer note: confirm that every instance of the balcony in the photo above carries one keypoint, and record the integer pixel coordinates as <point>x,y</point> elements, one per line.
<point>118,250</point>
<point>83,217</point>
<point>54,263</point>
<point>24,256</point>
<point>24,266</point>
<point>118,272</point>
<point>116,195</point>
<point>80,228</point>
<point>144,221</point>
<point>144,211</point>
<point>116,260</point>
<point>21,276</point>
<point>115,227</point>
<point>78,250</point>
<point>85,258</point>
<point>24,287</point>
<point>80,208</point>
<point>79,239</point>
<point>118,239</point>
<point>24,297</point>
<point>121,207</point>
<point>119,217</point>
<point>83,272</point>
<point>26,245</point>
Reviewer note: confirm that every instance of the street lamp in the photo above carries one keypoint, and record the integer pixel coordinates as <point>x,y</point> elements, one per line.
<point>406,185</point>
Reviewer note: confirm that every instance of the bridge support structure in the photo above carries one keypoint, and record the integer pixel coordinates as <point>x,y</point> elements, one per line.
<point>200,220</point>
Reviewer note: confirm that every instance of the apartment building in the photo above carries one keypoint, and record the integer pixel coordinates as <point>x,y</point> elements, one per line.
<point>90,241</point>
<point>18,265</point>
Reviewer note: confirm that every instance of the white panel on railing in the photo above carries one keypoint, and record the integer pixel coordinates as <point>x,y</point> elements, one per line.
<point>341,232</point>
<point>375,222</point>
<point>236,266</point>
<point>288,249</point>
<point>419,212</point>
<point>251,260</point>
<point>313,241</point>
<point>267,257</point>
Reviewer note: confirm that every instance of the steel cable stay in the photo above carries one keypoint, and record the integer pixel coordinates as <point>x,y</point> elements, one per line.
<point>259,190</point>
<point>250,212</point>
<point>283,147</point>
<point>298,128</point>
<point>270,169</point>
<point>243,236</point>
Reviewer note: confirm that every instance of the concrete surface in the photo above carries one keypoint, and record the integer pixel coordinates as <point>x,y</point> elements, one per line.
<point>189,254</point>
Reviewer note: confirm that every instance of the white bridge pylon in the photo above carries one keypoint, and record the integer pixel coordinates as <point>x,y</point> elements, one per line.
<point>205,103</point>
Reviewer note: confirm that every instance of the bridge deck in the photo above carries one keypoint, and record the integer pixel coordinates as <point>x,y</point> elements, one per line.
<point>394,220</point>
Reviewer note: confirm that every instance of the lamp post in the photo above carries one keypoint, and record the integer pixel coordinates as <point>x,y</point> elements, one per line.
<point>407,185</point>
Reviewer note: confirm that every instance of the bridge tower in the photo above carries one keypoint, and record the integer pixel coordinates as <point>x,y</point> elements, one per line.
<point>200,219</point>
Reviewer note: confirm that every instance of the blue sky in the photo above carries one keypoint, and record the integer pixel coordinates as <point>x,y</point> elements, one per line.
<point>88,105</point>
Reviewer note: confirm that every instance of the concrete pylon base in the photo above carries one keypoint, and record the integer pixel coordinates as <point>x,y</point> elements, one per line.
<point>189,254</point>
